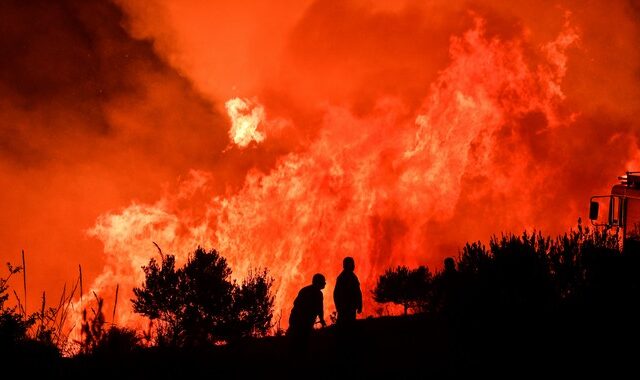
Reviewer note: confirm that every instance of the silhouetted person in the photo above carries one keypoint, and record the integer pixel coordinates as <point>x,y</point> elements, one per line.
<point>307,306</point>
<point>448,289</point>
<point>449,266</point>
<point>347,295</point>
<point>348,300</point>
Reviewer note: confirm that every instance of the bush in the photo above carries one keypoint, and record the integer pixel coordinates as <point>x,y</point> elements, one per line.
<point>199,303</point>
<point>403,286</point>
<point>13,325</point>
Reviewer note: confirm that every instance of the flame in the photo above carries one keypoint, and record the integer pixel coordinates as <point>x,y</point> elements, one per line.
<point>368,187</point>
<point>246,117</point>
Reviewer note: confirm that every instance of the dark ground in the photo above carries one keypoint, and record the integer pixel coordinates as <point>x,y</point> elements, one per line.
<point>569,346</point>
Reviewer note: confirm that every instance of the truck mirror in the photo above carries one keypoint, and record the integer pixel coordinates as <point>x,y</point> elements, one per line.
<point>594,208</point>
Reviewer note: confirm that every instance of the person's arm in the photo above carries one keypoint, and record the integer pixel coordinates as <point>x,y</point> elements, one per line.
<point>320,311</point>
<point>359,299</point>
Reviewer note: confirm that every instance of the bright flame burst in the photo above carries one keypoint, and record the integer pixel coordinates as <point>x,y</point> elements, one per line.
<point>367,187</point>
<point>246,117</point>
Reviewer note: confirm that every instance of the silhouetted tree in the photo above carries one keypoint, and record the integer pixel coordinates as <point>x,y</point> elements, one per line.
<point>253,304</point>
<point>403,286</point>
<point>199,303</point>
<point>206,291</point>
<point>474,259</point>
<point>159,299</point>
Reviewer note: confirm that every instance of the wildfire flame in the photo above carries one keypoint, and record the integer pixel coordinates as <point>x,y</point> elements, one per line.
<point>372,187</point>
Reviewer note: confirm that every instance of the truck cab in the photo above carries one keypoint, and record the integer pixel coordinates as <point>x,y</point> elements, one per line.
<point>622,210</point>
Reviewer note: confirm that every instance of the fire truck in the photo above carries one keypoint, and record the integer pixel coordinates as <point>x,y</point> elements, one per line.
<point>622,210</point>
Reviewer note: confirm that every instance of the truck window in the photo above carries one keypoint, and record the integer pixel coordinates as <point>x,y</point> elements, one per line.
<point>615,211</point>
<point>633,218</point>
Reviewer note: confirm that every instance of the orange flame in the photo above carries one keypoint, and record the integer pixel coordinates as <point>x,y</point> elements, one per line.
<point>373,187</point>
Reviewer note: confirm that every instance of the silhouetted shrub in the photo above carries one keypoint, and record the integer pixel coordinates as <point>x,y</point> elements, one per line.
<point>403,286</point>
<point>92,329</point>
<point>522,278</point>
<point>98,339</point>
<point>528,276</point>
<point>117,341</point>
<point>13,325</point>
<point>18,343</point>
<point>253,305</point>
<point>159,299</point>
<point>199,303</point>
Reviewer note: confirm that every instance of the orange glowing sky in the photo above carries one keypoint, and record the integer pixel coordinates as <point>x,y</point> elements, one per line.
<point>289,134</point>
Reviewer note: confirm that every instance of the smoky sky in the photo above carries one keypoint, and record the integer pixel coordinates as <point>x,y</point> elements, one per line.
<point>91,119</point>
<point>71,63</point>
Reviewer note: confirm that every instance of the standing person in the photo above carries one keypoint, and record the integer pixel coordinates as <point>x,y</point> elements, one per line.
<point>348,300</point>
<point>449,287</point>
<point>307,307</point>
<point>347,295</point>
<point>447,297</point>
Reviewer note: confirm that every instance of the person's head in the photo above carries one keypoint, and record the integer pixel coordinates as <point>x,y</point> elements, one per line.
<point>318,281</point>
<point>348,264</point>
<point>449,264</point>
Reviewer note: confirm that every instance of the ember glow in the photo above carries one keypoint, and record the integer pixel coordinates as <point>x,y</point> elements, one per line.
<point>289,135</point>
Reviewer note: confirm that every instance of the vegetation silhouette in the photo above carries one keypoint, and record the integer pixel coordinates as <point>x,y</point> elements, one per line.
<point>13,325</point>
<point>23,350</point>
<point>199,304</point>
<point>99,339</point>
<point>523,305</point>
<point>403,286</point>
